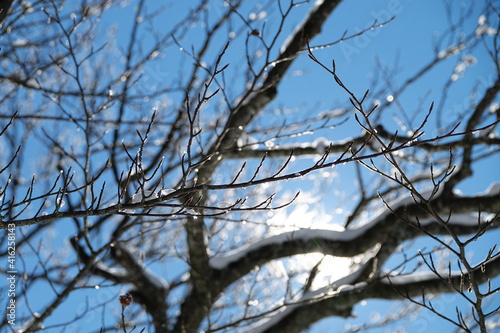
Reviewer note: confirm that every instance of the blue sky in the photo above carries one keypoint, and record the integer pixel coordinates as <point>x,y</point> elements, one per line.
<point>404,46</point>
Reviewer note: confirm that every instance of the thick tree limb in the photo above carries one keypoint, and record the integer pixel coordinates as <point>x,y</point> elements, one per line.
<point>390,228</point>
<point>234,127</point>
<point>465,169</point>
<point>340,147</point>
<point>340,303</point>
<point>150,290</point>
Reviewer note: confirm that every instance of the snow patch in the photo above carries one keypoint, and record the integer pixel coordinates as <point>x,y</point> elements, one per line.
<point>300,26</point>
<point>151,277</point>
<point>466,219</point>
<point>415,277</point>
<point>247,141</point>
<point>493,189</point>
<point>223,261</point>
<point>27,325</point>
<point>321,144</point>
<point>345,283</point>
